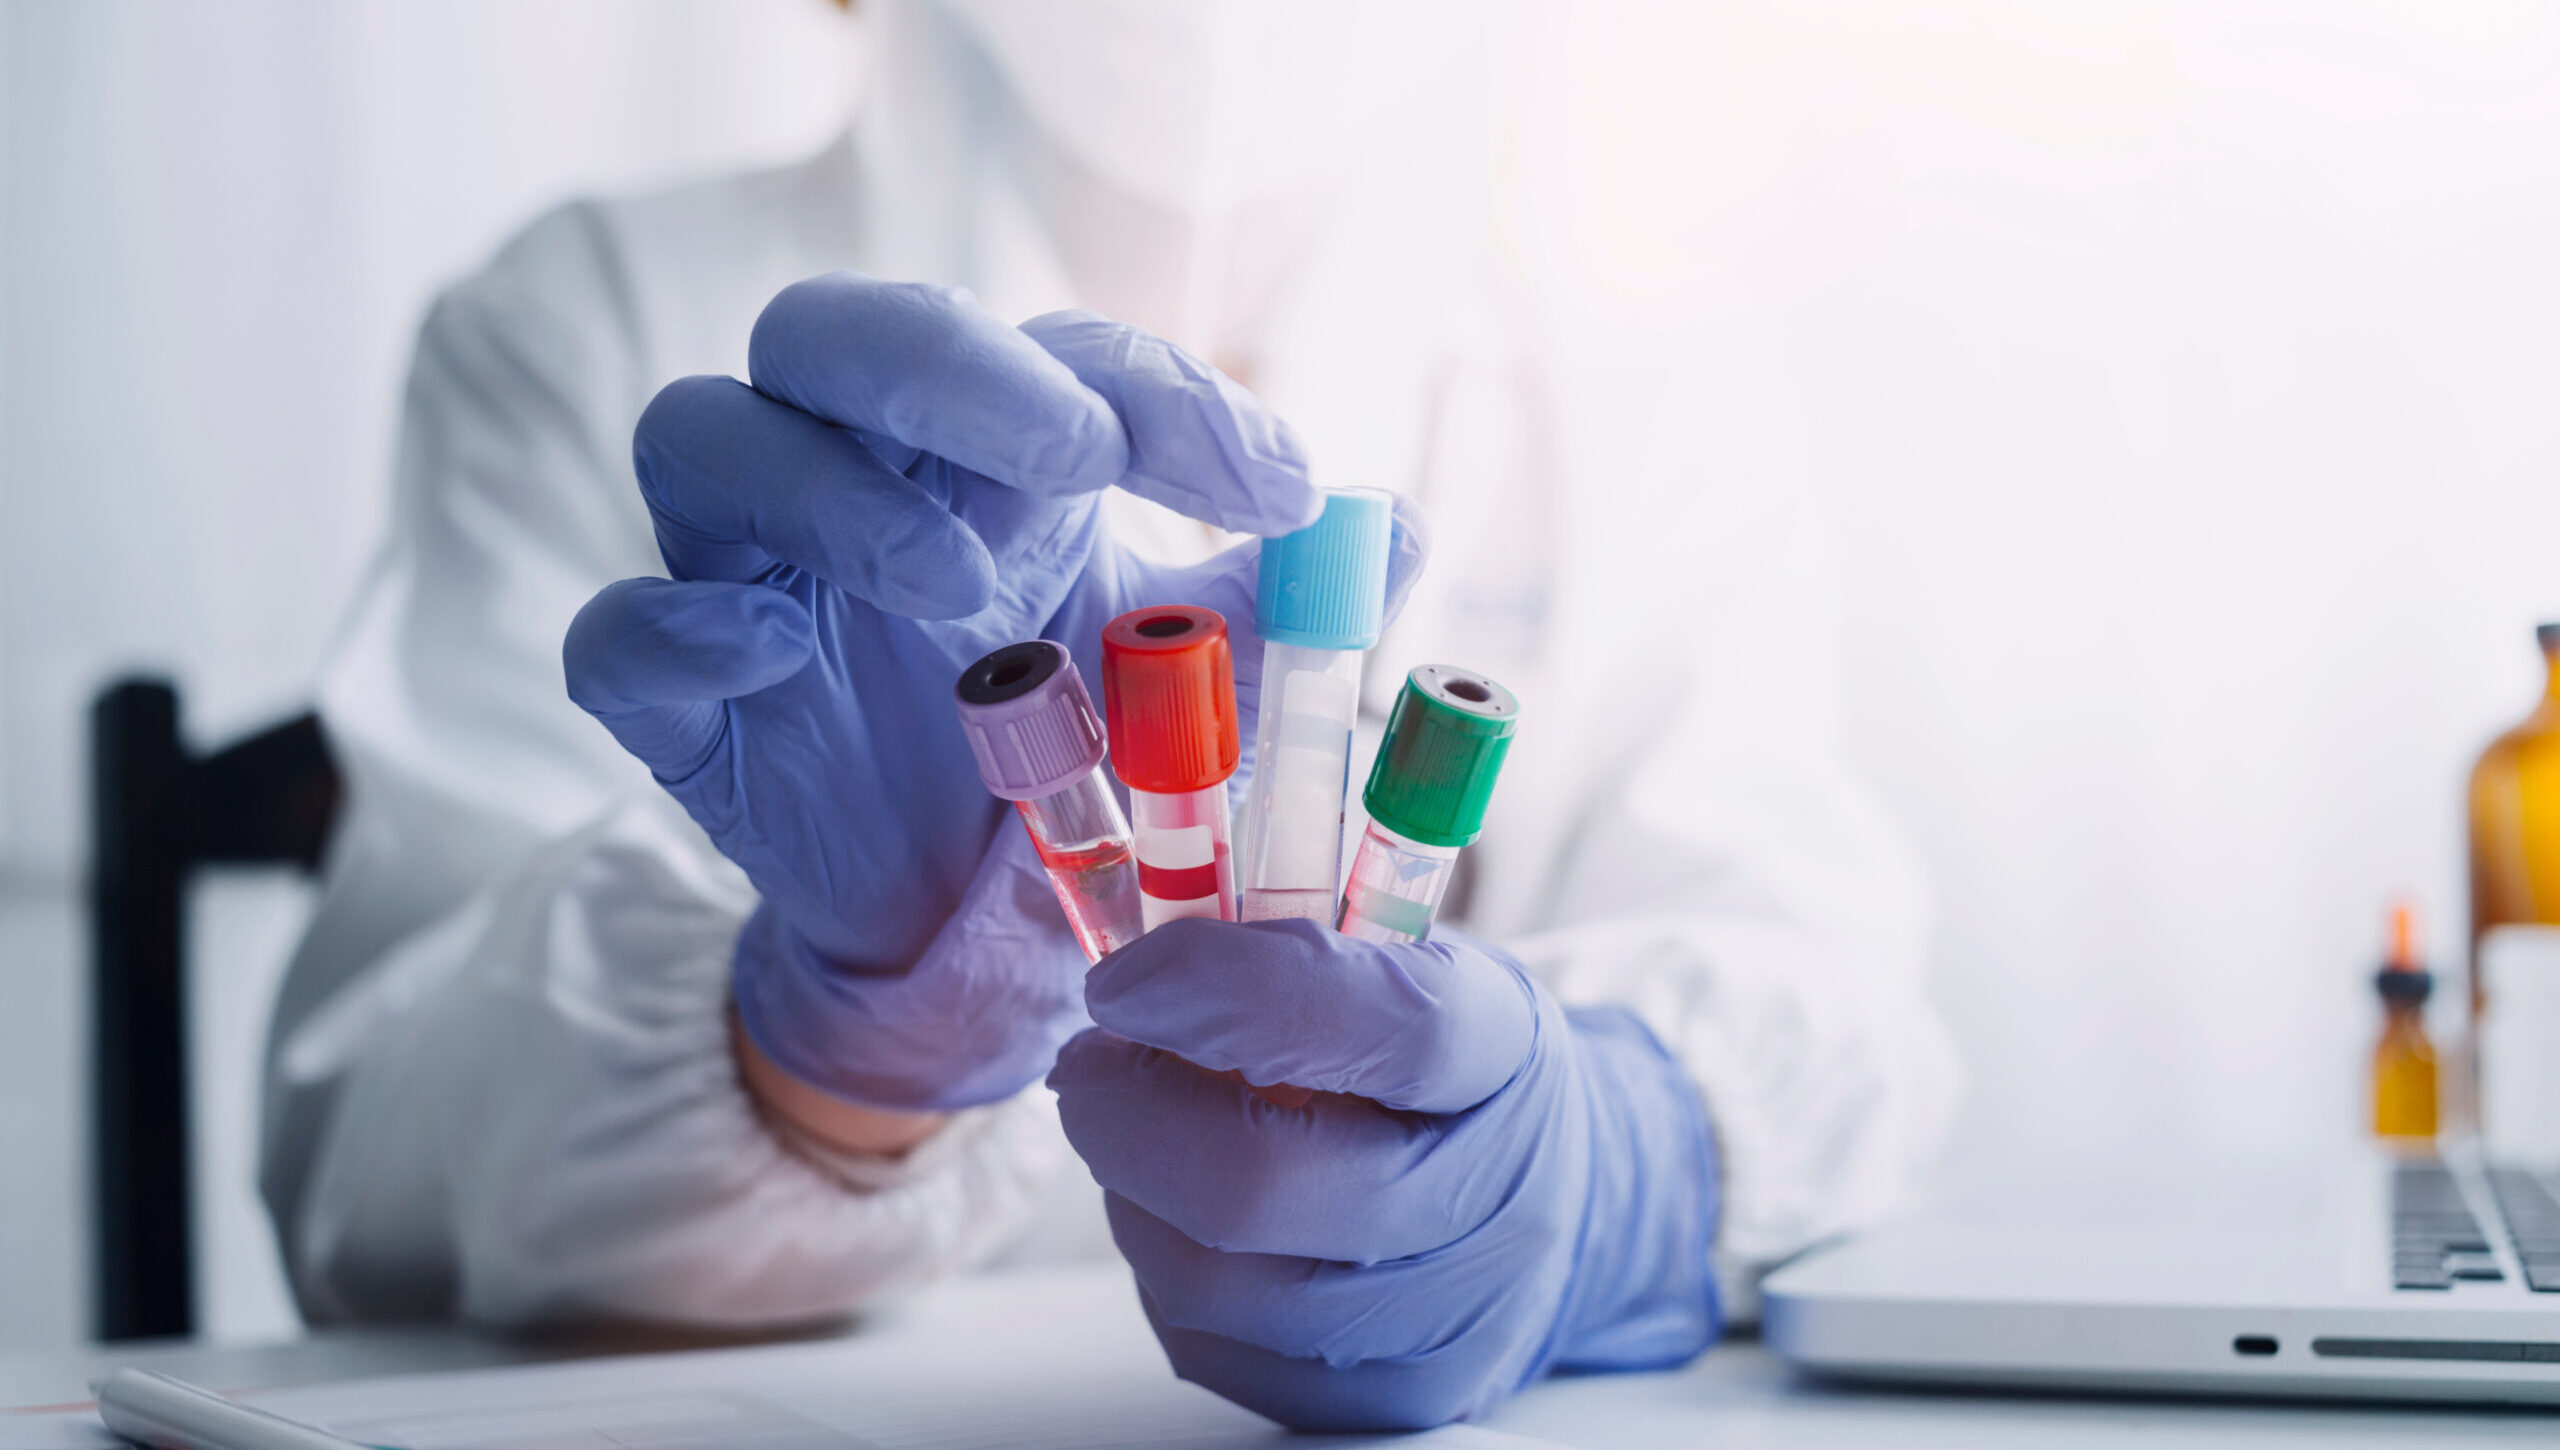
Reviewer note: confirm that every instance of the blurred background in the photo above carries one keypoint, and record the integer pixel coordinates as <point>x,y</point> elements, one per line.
<point>2180,383</point>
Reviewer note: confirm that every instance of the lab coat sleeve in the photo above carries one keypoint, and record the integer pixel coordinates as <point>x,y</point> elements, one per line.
<point>546,1093</point>
<point>499,1078</point>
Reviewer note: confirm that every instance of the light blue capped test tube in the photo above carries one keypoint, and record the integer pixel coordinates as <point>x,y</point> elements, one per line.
<point>1318,606</point>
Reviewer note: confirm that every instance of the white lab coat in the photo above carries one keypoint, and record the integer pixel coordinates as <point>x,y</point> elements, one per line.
<point>499,1079</point>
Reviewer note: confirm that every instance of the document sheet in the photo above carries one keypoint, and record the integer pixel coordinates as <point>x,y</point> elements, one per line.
<point>1057,1361</point>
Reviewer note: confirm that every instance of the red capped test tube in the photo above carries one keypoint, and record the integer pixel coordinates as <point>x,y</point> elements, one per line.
<point>1032,727</point>
<point>1169,694</point>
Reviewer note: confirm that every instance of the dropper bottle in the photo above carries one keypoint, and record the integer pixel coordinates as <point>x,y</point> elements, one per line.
<point>1319,603</point>
<point>2404,1061</point>
<point>1030,723</point>
<point>1169,698</point>
<point>1426,799</point>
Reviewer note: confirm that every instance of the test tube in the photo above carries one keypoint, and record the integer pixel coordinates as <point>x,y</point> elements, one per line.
<point>1169,695</point>
<point>1426,799</point>
<point>1318,605</point>
<point>1032,727</point>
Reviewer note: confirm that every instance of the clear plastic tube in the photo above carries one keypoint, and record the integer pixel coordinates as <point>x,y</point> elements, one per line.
<point>1185,866</point>
<point>1395,888</point>
<point>1092,862</point>
<point>1291,842</point>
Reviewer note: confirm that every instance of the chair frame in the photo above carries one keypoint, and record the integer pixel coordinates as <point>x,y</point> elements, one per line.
<point>158,813</point>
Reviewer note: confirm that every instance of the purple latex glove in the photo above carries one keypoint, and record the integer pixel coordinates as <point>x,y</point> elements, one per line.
<point>1488,1186</point>
<point>909,483</point>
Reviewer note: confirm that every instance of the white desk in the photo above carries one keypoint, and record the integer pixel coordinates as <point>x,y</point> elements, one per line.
<point>1735,1397</point>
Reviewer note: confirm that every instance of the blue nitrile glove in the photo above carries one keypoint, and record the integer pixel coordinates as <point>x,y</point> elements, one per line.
<point>1511,1187</point>
<point>909,483</point>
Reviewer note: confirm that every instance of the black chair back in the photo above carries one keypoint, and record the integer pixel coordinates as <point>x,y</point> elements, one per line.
<point>158,812</point>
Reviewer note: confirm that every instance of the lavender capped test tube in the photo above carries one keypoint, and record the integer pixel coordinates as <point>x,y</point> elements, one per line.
<point>1040,745</point>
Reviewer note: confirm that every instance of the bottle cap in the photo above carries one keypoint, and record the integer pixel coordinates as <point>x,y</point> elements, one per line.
<point>2402,932</point>
<point>2404,976</point>
<point>1029,720</point>
<point>1445,742</point>
<point>1169,693</point>
<point>1325,586</point>
<point>2548,636</point>
<point>2399,984</point>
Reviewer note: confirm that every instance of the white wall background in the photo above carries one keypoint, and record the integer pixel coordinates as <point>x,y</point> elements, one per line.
<point>2186,374</point>
<point>219,226</point>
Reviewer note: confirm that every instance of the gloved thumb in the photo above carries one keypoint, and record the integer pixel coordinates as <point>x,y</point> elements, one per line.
<point>655,659</point>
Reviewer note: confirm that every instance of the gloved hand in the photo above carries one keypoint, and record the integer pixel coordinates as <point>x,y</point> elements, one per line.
<point>909,483</point>
<point>1487,1187</point>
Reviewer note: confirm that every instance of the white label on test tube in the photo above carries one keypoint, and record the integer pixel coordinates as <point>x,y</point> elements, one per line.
<point>1296,805</point>
<point>1319,599</point>
<point>1180,865</point>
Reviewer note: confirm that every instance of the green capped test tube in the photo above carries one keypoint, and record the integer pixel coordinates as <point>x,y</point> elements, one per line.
<point>1426,799</point>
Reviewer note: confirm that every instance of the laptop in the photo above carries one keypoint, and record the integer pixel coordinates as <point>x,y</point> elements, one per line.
<point>2375,1278</point>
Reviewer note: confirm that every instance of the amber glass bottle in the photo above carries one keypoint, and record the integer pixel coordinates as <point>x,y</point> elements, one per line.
<point>2515,838</point>
<point>2404,1061</point>
<point>2515,814</point>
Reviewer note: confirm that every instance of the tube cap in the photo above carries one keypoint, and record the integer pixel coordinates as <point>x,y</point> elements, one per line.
<point>1445,743</point>
<point>1169,692</point>
<point>1325,586</point>
<point>1028,720</point>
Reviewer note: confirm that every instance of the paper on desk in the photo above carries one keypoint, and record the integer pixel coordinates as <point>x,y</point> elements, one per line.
<point>847,1395</point>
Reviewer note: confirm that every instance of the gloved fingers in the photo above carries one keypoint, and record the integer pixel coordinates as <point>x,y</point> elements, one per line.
<point>927,366</point>
<point>1198,443</point>
<point>654,660</point>
<point>736,482</point>
<point>648,642</point>
<point>1303,1308</point>
<point>1338,1178</point>
<point>1451,1382</point>
<point>1430,1027</point>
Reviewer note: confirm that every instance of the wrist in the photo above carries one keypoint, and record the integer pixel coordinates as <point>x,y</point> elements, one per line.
<point>831,1120</point>
<point>975,1020</point>
<point>816,1033</point>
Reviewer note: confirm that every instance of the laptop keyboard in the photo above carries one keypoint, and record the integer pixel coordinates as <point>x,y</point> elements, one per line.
<point>2436,1240</point>
<point>2533,1222</point>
